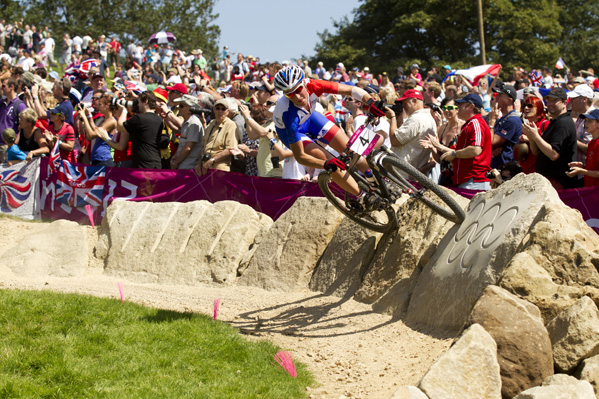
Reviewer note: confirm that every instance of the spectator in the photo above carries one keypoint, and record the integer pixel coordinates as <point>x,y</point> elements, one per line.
<point>49,45</point>
<point>415,74</point>
<point>191,135</point>
<point>10,108</point>
<point>591,173</point>
<point>547,78</point>
<point>243,67</point>
<point>534,111</point>
<point>472,155</point>
<point>65,51</point>
<point>113,53</point>
<point>405,141</point>
<point>144,130</point>
<point>556,148</point>
<point>398,78</point>
<point>581,102</point>
<point>432,93</point>
<point>358,118</point>
<point>13,153</point>
<point>319,71</point>
<point>219,139</point>
<point>30,138</point>
<point>507,129</point>
<point>104,119</point>
<point>60,90</point>
<point>59,130</point>
<point>96,82</point>
<point>445,140</point>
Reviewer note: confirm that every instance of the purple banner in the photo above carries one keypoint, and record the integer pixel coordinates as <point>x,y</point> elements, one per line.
<point>270,196</point>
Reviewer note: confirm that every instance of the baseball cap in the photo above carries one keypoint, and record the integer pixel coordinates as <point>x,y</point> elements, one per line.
<point>557,92</point>
<point>471,98</point>
<point>188,100</point>
<point>180,87</point>
<point>579,79</point>
<point>75,95</point>
<point>447,67</point>
<point>60,109</point>
<point>581,91</point>
<point>222,101</point>
<point>161,94</point>
<point>507,89</point>
<point>53,75</point>
<point>594,114</point>
<point>366,69</point>
<point>9,135</point>
<point>411,93</point>
<point>372,89</point>
<point>414,66</point>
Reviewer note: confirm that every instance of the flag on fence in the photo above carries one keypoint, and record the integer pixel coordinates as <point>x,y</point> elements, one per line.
<point>19,192</point>
<point>79,185</point>
<point>54,159</point>
<point>475,73</point>
<point>537,78</point>
<point>560,64</point>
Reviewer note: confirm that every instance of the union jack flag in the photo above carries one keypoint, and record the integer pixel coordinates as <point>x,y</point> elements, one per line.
<point>54,160</point>
<point>87,65</point>
<point>537,78</point>
<point>72,73</point>
<point>14,190</point>
<point>77,186</point>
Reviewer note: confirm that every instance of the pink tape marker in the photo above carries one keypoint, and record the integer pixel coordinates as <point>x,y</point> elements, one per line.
<point>90,214</point>
<point>121,291</point>
<point>216,306</point>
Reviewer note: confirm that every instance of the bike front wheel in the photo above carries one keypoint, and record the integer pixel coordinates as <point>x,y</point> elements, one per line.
<point>449,208</point>
<point>383,220</point>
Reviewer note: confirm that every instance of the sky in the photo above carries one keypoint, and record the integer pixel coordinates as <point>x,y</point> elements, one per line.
<point>277,30</point>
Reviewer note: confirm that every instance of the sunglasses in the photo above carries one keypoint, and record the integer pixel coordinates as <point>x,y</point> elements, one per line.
<point>294,92</point>
<point>528,105</point>
<point>96,98</point>
<point>220,109</point>
<point>449,107</point>
<point>270,102</point>
<point>348,99</point>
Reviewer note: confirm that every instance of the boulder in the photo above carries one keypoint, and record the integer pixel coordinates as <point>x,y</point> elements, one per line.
<point>527,279</point>
<point>290,250</point>
<point>401,255</point>
<point>559,387</point>
<point>184,243</point>
<point>523,346</point>
<point>589,371</point>
<point>59,250</point>
<point>343,264</point>
<point>574,334</point>
<point>409,392</point>
<point>474,254</point>
<point>468,370</point>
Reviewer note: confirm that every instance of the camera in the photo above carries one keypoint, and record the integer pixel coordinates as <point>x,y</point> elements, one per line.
<point>206,157</point>
<point>122,102</point>
<point>247,104</point>
<point>275,162</point>
<point>199,111</point>
<point>397,107</point>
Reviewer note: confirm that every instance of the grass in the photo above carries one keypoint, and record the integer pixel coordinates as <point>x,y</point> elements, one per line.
<point>73,346</point>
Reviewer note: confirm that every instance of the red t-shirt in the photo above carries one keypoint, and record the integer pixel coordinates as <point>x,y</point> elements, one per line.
<point>120,156</point>
<point>475,132</point>
<point>592,162</point>
<point>528,165</point>
<point>65,133</point>
<point>116,46</point>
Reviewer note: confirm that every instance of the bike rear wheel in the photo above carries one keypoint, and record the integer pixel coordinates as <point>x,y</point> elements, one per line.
<point>382,221</point>
<point>450,210</point>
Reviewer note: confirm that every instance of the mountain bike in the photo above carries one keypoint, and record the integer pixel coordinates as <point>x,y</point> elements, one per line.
<point>394,178</point>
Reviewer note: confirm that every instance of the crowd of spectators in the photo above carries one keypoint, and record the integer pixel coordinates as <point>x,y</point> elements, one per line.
<point>155,106</point>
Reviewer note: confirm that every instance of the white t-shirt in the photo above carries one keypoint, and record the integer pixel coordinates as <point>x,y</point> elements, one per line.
<point>27,63</point>
<point>50,44</point>
<point>418,126</point>
<point>77,41</point>
<point>382,125</point>
<point>85,41</point>
<point>293,170</point>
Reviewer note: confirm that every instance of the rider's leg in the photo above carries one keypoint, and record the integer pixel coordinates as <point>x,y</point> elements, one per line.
<point>338,141</point>
<point>341,177</point>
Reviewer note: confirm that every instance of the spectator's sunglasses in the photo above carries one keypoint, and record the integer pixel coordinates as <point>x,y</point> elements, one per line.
<point>449,107</point>
<point>270,102</point>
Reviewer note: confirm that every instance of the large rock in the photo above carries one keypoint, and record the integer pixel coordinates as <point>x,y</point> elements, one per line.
<point>559,386</point>
<point>401,255</point>
<point>343,264</point>
<point>523,345</point>
<point>193,242</point>
<point>468,370</point>
<point>58,250</point>
<point>589,371</point>
<point>290,250</point>
<point>527,279</point>
<point>409,392</point>
<point>574,334</point>
<point>474,254</point>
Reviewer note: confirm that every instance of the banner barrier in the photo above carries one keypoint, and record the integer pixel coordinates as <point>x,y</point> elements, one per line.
<point>271,196</point>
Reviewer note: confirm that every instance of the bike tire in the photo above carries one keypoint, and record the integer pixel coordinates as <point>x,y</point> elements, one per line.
<point>381,221</point>
<point>452,212</point>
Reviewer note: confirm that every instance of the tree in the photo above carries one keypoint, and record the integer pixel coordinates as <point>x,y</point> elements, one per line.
<point>190,21</point>
<point>385,34</point>
<point>578,43</point>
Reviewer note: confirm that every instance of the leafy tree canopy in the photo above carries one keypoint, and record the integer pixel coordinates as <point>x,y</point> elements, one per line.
<point>190,21</point>
<point>385,34</point>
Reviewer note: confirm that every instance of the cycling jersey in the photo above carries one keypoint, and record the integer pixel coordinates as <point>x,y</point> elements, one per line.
<point>295,124</point>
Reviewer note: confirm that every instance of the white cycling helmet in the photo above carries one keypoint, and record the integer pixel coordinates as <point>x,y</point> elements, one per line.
<point>289,78</point>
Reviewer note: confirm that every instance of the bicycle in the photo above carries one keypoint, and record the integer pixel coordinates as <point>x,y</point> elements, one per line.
<point>390,184</point>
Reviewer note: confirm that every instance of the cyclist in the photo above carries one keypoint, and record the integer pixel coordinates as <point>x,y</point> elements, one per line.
<point>297,126</point>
